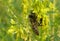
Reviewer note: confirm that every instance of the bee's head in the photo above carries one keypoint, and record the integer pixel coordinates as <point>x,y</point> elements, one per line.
<point>32,14</point>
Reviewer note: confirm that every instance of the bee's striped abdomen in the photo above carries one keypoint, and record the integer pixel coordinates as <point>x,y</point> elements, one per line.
<point>33,21</point>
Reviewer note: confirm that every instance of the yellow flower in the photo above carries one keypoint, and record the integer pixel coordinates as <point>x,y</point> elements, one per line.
<point>51,5</point>
<point>12,21</point>
<point>21,31</point>
<point>44,10</point>
<point>45,22</point>
<point>11,30</point>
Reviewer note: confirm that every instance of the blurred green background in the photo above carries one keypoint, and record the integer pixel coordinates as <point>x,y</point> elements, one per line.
<point>15,24</point>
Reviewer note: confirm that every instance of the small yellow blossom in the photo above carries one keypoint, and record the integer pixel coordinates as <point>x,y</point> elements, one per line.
<point>44,10</point>
<point>11,30</point>
<point>51,5</point>
<point>12,21</point>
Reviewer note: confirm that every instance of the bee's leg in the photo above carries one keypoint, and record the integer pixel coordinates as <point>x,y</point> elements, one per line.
<point>40,22</point>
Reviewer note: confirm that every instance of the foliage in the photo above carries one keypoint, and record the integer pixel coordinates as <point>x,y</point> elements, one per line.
<point>15,24</point>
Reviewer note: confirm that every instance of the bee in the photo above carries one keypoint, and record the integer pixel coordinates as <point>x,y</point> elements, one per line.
<point>34,23</point>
